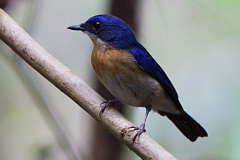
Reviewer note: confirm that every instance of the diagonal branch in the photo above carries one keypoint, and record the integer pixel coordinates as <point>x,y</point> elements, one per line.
<point>70,84</point>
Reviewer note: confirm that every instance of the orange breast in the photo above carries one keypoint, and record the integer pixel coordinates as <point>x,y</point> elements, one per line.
<point>110,61</point>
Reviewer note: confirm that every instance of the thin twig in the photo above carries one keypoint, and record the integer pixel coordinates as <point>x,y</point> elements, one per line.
<point>70,84</point>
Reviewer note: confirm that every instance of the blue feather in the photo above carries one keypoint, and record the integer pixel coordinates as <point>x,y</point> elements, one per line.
<point>146,61</point>
<point>114,31</point>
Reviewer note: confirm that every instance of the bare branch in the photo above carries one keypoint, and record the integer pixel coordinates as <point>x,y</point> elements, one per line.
<point>70,84</point>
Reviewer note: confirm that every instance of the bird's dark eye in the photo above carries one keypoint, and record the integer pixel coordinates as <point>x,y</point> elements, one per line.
<point>97,25</point>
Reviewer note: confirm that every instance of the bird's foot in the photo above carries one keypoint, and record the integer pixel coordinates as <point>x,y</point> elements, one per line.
<point>140,129</point>
<point>106,104</point>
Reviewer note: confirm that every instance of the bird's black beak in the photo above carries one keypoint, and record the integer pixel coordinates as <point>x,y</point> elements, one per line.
<point>80,27</point>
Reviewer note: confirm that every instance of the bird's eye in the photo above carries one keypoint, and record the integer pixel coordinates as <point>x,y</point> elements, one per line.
<point>97,25</point>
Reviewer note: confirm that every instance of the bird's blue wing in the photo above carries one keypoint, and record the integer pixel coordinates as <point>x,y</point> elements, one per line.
<point>146,61</point>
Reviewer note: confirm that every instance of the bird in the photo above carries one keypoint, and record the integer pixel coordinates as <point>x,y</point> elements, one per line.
<point>132,75</point>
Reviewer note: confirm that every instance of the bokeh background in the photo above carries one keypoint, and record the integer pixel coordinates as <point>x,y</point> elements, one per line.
<point>196,42</point>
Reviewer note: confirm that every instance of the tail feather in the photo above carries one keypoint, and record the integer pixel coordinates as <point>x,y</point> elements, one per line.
<point>187,125</point>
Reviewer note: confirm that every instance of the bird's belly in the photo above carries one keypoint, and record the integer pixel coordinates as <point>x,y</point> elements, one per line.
<point>143,91</point>
<point>140,91</point>
<point>127,90</point>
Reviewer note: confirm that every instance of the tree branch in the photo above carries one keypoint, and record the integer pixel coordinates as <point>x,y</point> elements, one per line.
<point>70,84</point>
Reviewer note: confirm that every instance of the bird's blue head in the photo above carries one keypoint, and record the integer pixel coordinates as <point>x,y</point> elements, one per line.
<point>110,29</point>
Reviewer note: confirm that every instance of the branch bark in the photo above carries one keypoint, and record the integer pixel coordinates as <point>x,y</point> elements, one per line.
<point>70,84</point>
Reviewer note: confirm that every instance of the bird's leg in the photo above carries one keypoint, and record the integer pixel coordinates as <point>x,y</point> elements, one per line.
<point>141,129</point>
<point>105,104</point>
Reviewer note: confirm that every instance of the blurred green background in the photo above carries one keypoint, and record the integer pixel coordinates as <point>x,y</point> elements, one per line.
<point>196,42</point>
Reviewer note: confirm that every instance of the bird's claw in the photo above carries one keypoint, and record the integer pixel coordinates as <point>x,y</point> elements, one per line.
<point>105,104</point>
<point>140,129</point>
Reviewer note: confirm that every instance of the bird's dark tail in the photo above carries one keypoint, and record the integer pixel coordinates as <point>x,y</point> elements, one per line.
<point>187,125</point>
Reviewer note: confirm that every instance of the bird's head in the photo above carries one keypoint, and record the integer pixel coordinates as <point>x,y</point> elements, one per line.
<point>109,29</point>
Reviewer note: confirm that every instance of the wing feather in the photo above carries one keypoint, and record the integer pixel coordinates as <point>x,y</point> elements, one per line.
<point>147,63</point>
